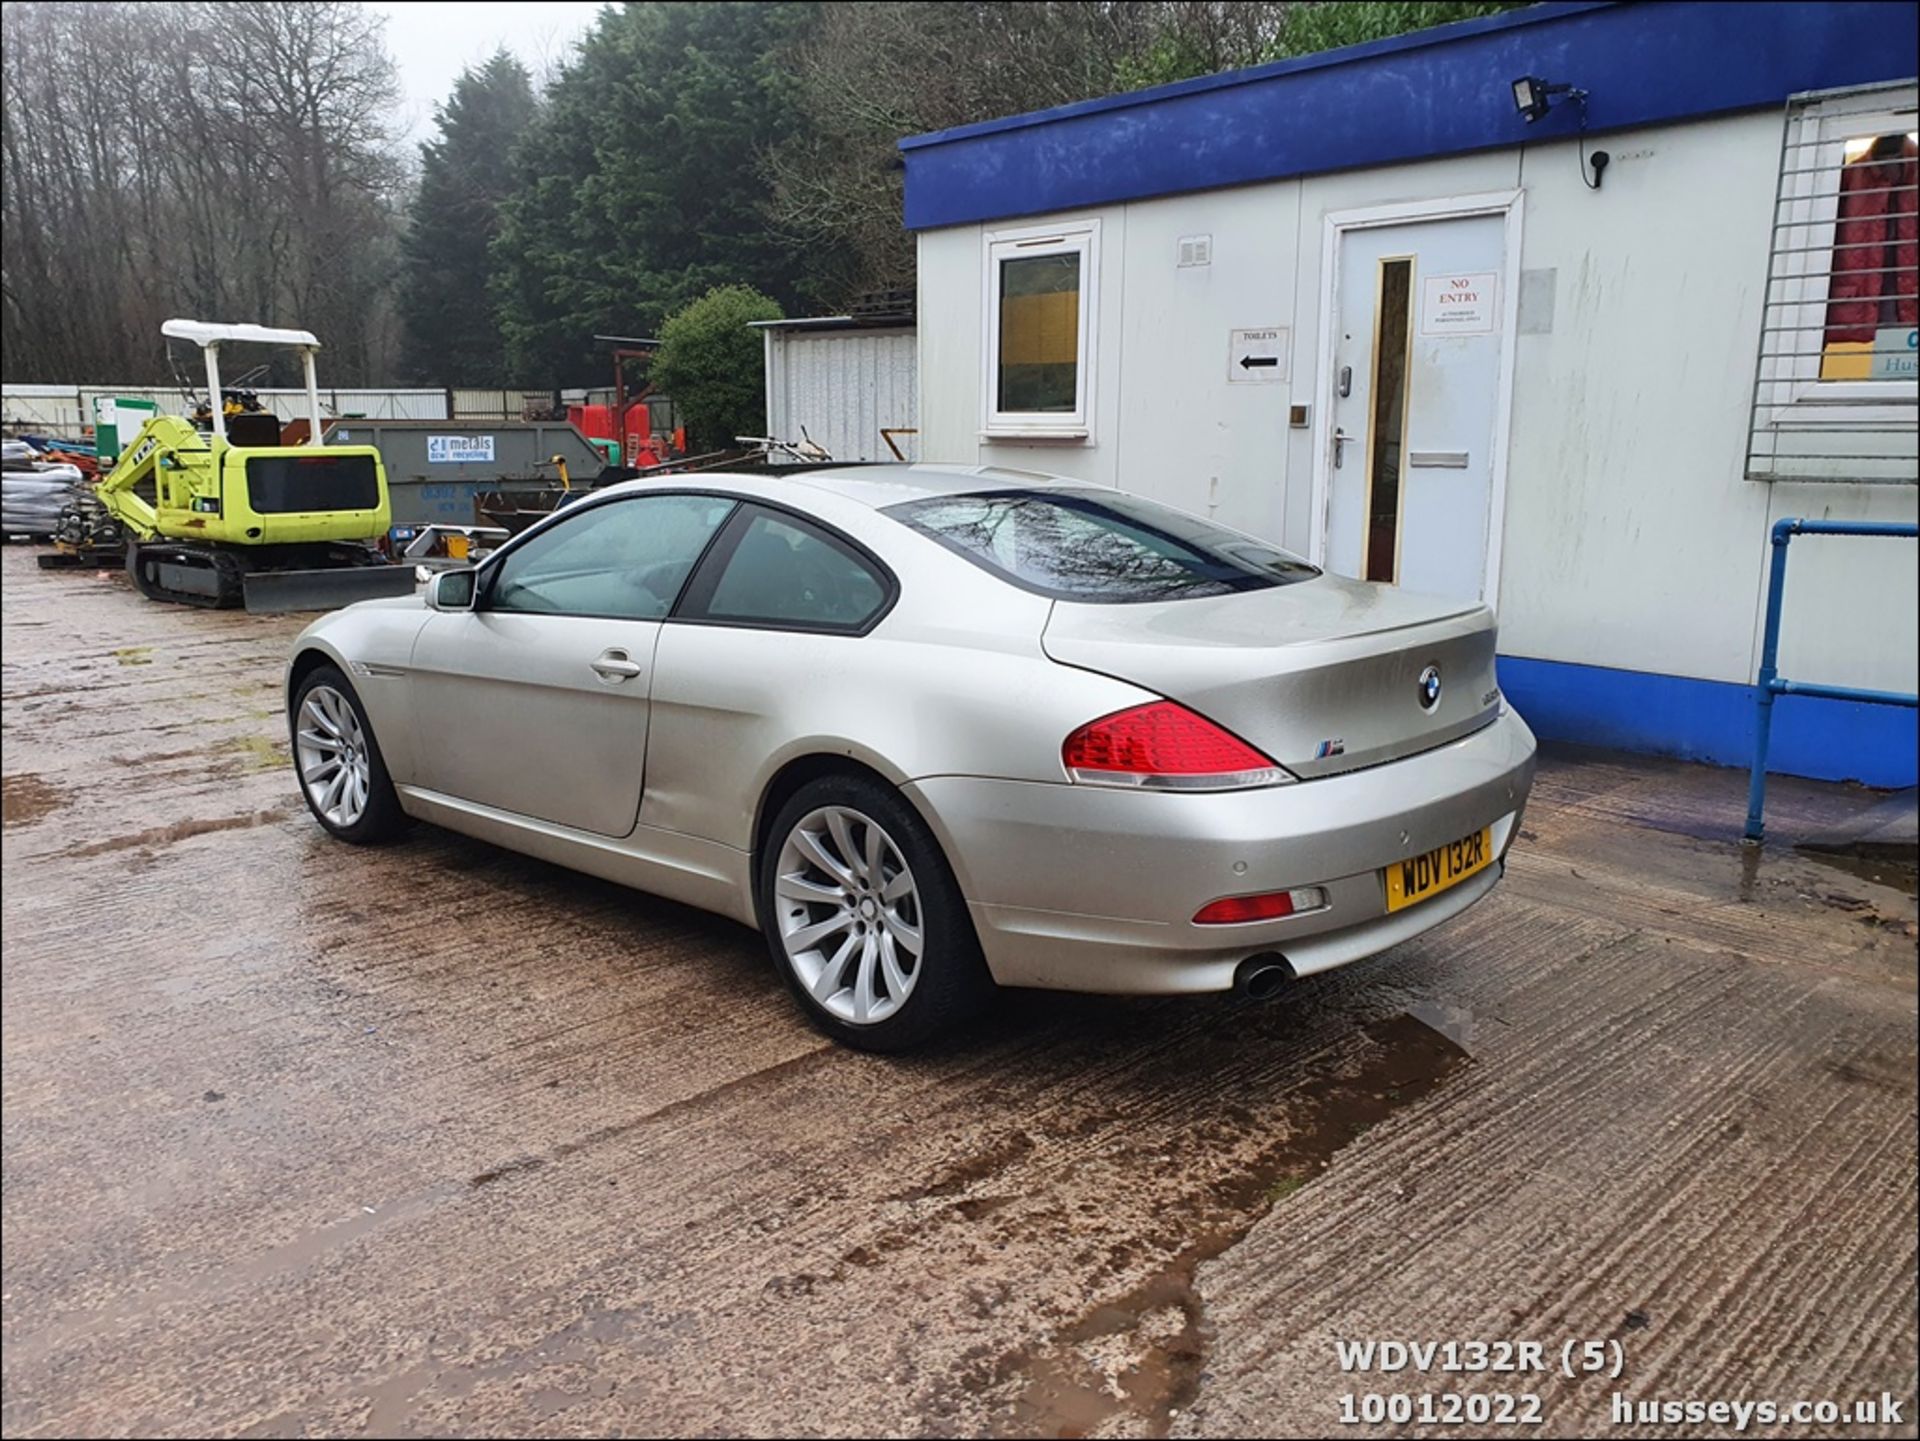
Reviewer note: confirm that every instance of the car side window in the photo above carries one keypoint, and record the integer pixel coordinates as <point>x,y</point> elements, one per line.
<point>781,571</point>
<point>627,559</point>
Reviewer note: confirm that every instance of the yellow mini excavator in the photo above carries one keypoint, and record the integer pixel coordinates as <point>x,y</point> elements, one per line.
<point>217,511</point>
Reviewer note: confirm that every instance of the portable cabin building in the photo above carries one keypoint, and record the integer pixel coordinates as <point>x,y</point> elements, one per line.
<point>1561,309</point>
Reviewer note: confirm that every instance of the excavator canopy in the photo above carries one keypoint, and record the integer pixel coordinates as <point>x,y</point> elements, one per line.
<point>206,332</point>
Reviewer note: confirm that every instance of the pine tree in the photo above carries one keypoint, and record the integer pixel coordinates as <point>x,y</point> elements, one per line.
<point>451,336</point>
<point>641,186</point>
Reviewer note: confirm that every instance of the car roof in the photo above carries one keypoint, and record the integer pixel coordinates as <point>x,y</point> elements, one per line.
<point>885,484</point>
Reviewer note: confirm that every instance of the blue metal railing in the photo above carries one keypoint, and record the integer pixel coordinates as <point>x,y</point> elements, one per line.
<point>1771,685</point>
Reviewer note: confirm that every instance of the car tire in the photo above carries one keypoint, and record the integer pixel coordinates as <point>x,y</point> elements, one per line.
<point>875,917</point>
<point>336,728</point>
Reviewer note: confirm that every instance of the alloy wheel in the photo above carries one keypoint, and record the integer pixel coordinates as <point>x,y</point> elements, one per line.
<point>333,756</point>
<point>849,913</point>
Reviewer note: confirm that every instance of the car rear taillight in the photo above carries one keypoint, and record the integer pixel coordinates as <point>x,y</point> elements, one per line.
<point>1271,906</point>
<point>1165,746</point>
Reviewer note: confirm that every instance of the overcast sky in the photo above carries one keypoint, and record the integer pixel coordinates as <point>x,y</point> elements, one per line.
<point>432,41</point>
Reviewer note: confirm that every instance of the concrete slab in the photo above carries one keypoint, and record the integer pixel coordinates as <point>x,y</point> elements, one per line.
<point>435,1140</point>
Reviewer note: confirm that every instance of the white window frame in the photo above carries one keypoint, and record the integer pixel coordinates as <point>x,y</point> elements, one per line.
<point>1077,237</point>
<point>1806,221</point>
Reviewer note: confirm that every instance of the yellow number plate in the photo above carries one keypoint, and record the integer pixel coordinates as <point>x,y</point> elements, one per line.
<point>1418,877</point>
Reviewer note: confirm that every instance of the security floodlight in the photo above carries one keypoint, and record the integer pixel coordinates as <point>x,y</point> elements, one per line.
<point>1533,97</point>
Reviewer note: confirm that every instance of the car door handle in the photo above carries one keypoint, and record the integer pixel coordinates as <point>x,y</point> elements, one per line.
<point>615,665</point>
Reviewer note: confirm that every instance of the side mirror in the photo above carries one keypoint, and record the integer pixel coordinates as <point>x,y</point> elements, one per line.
<point>452,589</point>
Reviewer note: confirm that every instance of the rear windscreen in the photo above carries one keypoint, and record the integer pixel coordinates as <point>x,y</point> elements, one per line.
<point>281,484</point>
<point>1099,545</point>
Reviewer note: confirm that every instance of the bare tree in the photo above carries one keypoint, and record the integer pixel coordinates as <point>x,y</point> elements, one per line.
<point>869,74</point>
<point>222,160</point>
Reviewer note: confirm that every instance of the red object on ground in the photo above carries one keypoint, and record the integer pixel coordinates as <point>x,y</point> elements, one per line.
<point>87,465</point>
<point>593,421</point>
<point>631,430</point>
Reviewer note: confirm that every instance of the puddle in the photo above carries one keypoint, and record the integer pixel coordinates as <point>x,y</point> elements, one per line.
<point>27,798</point>
<point>1896,866</point>
<point>1132,1363</point>
<point>1818,875</point>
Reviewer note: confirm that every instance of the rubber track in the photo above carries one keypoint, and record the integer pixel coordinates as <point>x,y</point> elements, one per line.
<point>228,565</point>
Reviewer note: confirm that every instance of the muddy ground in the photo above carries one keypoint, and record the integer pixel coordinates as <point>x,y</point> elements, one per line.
<point>432,1139</point>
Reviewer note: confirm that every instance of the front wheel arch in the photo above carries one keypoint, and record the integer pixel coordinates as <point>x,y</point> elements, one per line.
<point>305,664</point>
<point>382,817</point>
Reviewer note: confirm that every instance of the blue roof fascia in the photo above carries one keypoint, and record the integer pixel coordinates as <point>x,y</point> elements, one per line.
<point>1436,92</point>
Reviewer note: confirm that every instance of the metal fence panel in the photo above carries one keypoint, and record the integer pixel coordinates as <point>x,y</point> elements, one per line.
<point>842,388</point>
<point>1841,409</point>
<point>70,407</point>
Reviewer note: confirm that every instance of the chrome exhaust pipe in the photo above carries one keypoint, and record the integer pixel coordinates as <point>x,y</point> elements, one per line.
<point>1261,978</point>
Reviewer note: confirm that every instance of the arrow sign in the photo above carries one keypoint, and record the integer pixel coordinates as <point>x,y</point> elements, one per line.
<point>1258,355</point>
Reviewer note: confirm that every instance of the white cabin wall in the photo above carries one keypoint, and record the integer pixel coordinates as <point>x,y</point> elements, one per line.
<point>1631,539</point>
<point>952,419</point>
<point>948,317</point>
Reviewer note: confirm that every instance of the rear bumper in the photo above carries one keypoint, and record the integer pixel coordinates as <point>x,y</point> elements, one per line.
<point>1086,888</point>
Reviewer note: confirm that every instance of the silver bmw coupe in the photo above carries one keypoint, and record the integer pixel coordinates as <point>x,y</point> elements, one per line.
<point>937,728</point>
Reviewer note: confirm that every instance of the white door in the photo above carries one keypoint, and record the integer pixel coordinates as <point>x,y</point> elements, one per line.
<point>1416,377</point>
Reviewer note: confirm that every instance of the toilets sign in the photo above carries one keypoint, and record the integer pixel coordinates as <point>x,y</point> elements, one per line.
<point>1458,304</point>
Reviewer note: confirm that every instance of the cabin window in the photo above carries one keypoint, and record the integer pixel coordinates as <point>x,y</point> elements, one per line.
<point>1041,310</point>
<point>1835,392</point>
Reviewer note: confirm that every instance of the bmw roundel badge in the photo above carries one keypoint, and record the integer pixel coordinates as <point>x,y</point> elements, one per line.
<point>1430,687</point>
